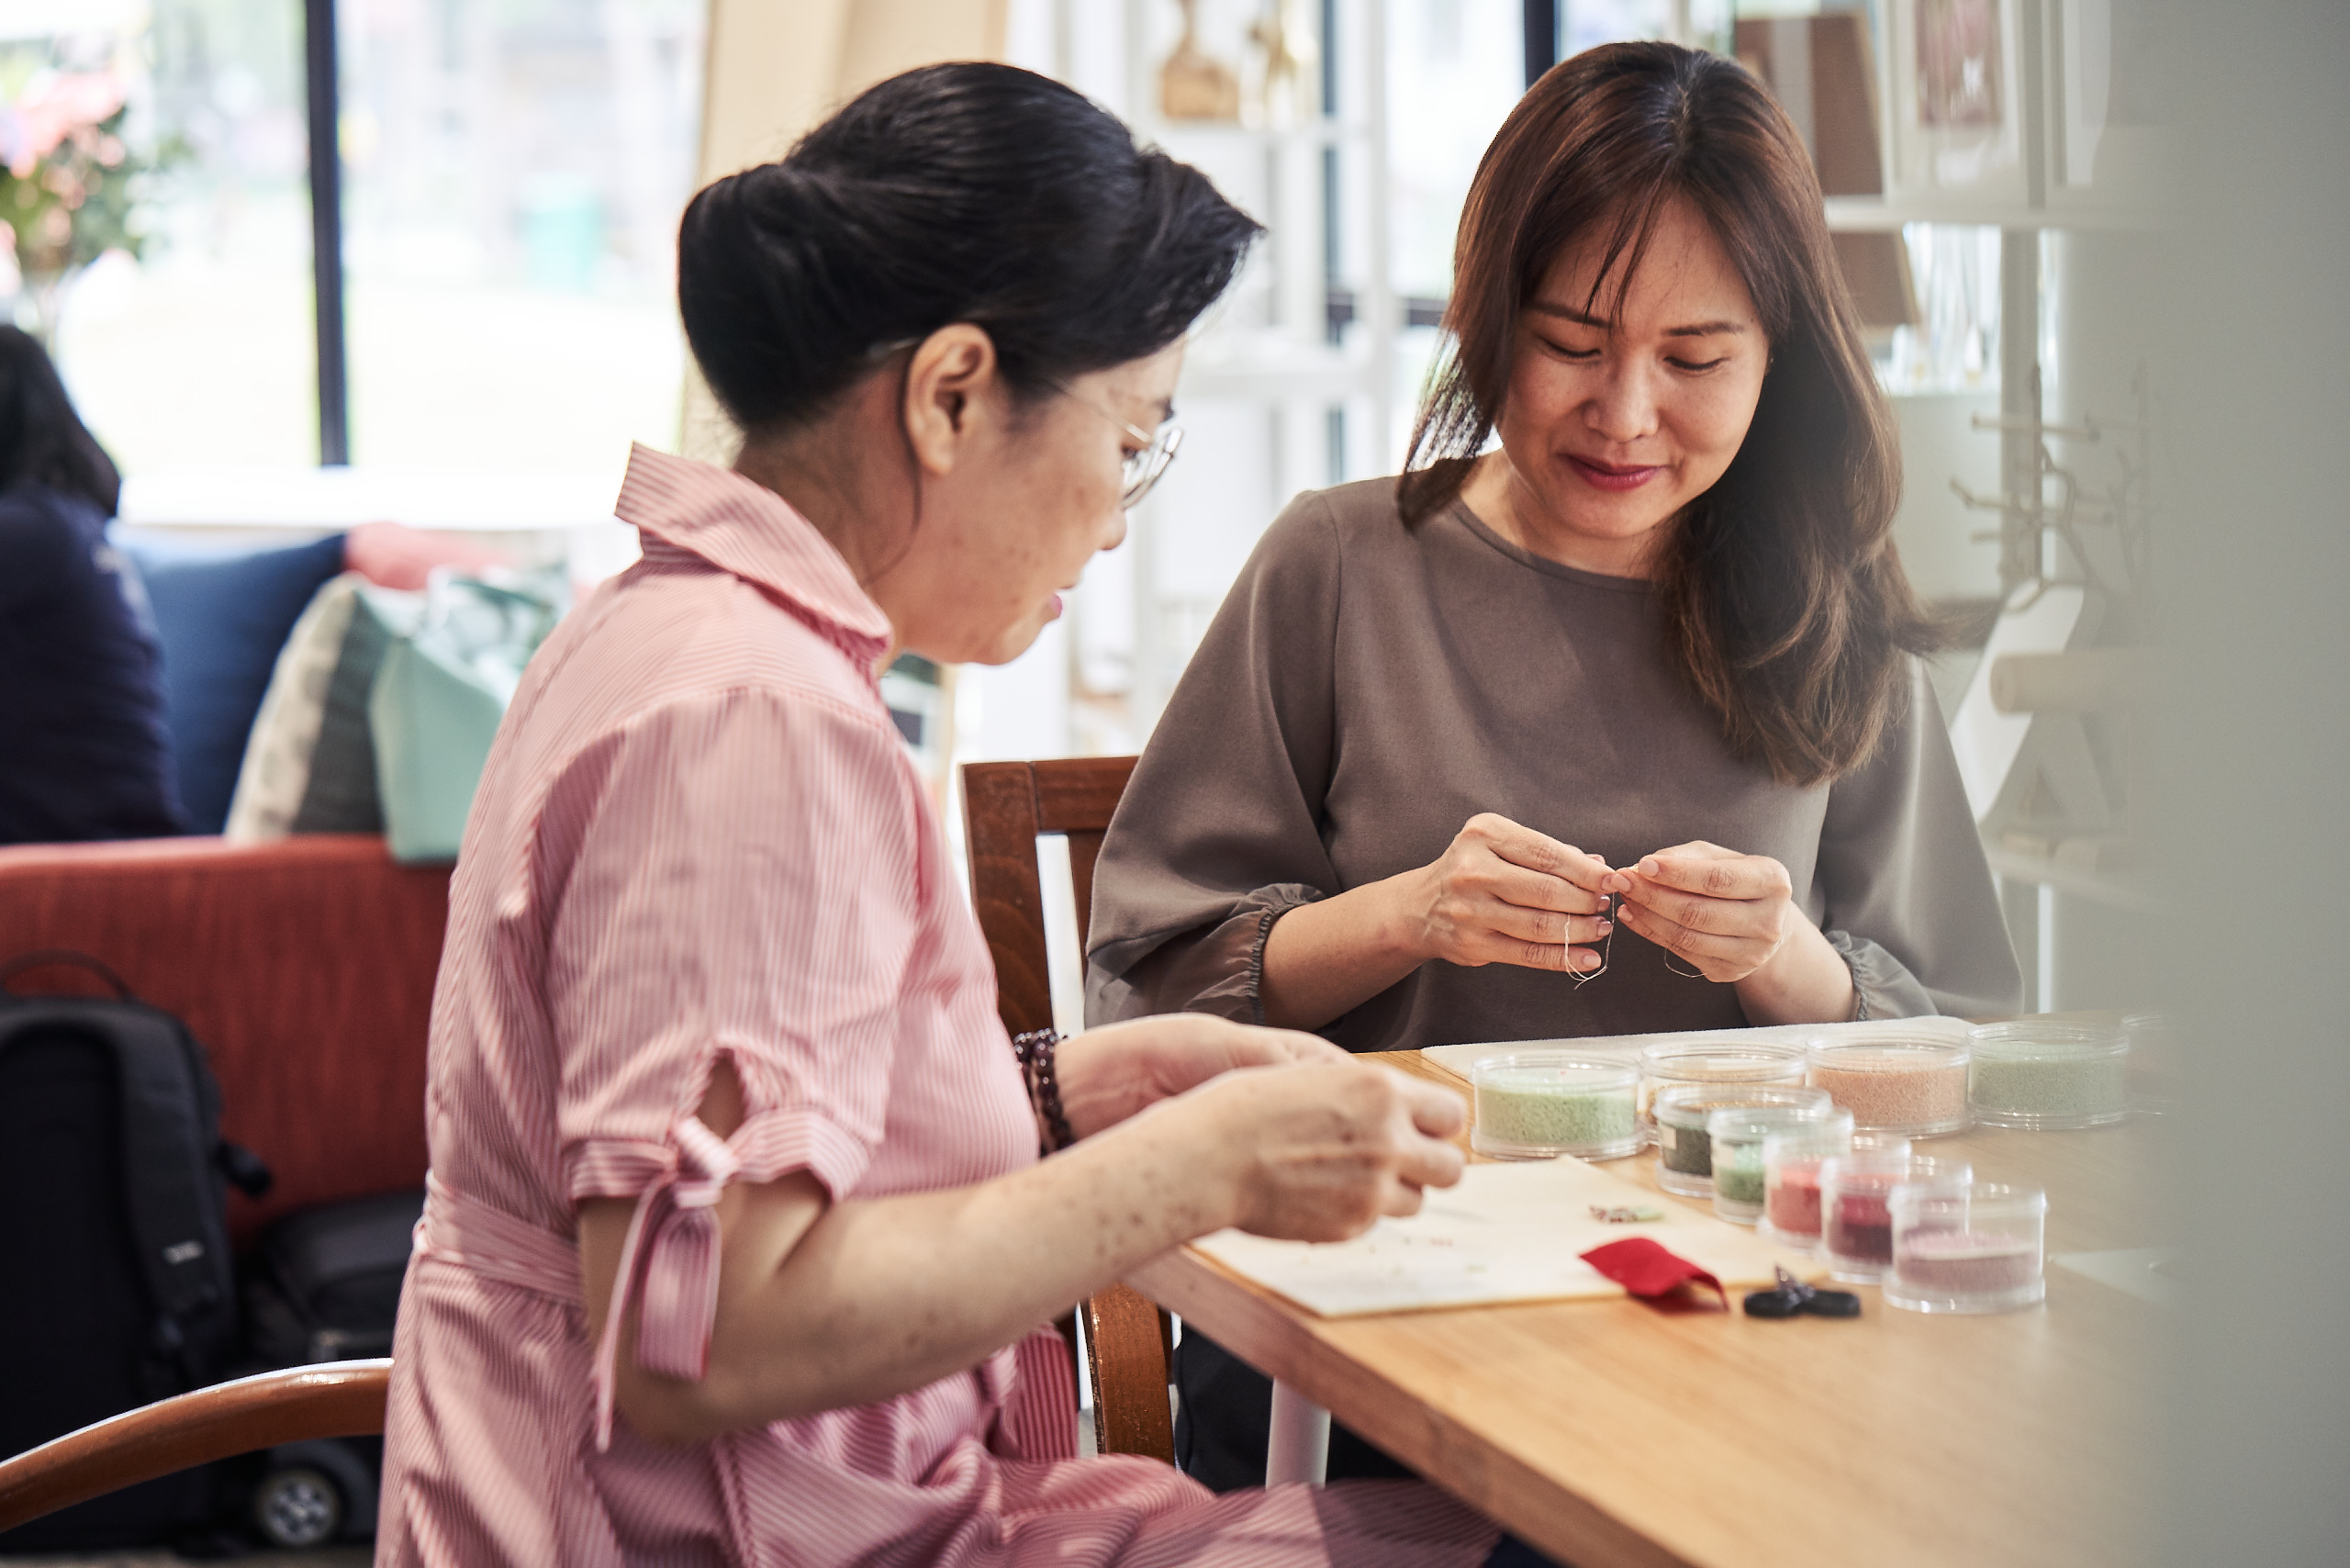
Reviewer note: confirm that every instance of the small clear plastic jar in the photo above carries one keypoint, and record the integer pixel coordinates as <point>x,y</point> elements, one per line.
<point>1540,1105</point>
<point>1739,1133</point>
<point>1897,1080</point>
<point>1856,1206</point>
<point>1684,1145</point>
<point>1717,1059</point>
<point>1971,1247</point>
<point>1791,1160</point>
<point>2153,1060</point>
<point>2046,1074</point>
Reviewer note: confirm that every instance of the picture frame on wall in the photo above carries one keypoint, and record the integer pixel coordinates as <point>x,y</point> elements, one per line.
<point>1957,101</point>
<point>1958,64</point>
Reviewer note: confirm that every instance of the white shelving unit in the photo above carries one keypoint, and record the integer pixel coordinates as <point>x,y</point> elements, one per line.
<point>2053,165</point>
<point>1269,371</point>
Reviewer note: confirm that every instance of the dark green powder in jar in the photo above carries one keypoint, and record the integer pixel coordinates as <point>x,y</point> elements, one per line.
<point>1686,1150</point>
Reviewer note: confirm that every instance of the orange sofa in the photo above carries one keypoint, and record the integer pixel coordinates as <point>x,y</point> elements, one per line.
<point>305,966</point>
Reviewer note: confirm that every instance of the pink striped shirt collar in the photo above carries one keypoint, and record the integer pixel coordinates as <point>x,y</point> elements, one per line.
<point>748,530</point>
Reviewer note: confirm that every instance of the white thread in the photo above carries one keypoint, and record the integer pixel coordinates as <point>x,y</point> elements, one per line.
<point>1606,947</point>
<point>1607,910</point>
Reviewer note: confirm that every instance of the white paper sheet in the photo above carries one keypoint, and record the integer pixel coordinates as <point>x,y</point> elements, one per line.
<point>1506,1233</point>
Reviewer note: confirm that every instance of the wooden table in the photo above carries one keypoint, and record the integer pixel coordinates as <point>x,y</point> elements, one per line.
<point>1620,1433</point>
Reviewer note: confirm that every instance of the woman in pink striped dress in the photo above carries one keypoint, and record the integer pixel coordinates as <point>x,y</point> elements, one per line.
<point>739,1244</point>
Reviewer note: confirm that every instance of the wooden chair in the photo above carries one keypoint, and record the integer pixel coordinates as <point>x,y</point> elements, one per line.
<point>335,1399</point>
<point>1005,806</point>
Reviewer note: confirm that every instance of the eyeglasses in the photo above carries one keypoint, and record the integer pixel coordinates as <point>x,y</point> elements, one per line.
<point>1139,470</point>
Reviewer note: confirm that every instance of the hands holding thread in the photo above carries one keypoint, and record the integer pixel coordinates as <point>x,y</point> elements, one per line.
<point>1727,914</point>
<point>1505,893</point>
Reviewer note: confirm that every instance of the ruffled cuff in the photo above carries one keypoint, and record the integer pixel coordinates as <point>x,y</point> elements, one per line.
<point>1883,986</point>
<point>669,1261</point>
<point>1217,968</point>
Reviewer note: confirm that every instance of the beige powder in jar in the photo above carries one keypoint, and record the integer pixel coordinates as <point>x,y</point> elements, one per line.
<point>1894,1088</point>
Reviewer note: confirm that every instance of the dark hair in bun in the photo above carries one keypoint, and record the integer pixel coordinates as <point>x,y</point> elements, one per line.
<point>968,192</point>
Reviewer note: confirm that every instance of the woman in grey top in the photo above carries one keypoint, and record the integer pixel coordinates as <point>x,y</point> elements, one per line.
<point>1616,727</point>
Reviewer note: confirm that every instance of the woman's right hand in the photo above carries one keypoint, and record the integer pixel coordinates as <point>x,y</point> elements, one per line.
<point>1319,1151</point>
<point>1500,894</point>
<point>1505,894</point>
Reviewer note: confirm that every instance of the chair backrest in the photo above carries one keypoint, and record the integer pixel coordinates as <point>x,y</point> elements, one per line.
<point>1005,806</point>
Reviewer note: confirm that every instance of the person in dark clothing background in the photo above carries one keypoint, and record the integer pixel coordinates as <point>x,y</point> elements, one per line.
<point>85,743</point>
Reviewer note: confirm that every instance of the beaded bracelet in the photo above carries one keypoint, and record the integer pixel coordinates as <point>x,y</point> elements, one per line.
<point>1034,1051</point>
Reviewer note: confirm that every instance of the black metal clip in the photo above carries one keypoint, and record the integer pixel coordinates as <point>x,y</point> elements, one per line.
<point>1793,1296</point>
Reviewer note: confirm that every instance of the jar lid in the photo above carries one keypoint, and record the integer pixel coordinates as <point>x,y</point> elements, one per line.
<point>1563,1070</point>
<point>1720,1060</point>
<point>2048,1040</point>
<point>1755,1122</point>
<point>1888,1053</point>
<point>1884,1170</point>
<point>1941,1195</point>
<point>1688,1104</point>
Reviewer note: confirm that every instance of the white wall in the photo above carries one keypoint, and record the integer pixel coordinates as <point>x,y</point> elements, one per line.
<point>1932,525</point>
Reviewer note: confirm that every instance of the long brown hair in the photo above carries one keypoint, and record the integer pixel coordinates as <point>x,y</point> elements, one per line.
<point>1785,605</point>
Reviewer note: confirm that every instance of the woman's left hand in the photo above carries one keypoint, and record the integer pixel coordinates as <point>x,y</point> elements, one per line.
<point>1727,914</point>
<point>1110,1073</point>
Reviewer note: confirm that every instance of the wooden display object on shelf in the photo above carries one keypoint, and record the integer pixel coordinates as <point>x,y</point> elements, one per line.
<point>1005,806</point>
<point>1194,84</point>
<point>1823,71</point>
<point>1286,89</point>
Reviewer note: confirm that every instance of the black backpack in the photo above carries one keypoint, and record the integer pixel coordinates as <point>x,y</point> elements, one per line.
<point>114,1227</point>
<point>324,1282</point>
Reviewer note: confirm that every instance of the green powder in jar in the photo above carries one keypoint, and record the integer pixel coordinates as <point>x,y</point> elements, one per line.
<point>1554,1116</point>
<point>2063,1087</point>
<point>1741,1181</point>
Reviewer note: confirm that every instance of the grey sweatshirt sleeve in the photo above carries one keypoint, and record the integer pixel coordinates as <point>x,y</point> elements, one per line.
<point>1220,830</point>
<point>1902,890</point>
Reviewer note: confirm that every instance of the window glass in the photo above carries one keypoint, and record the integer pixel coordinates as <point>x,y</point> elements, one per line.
<point>1455,68</point>
<point>1700,24</point>
<point>200,352</point>
<point>514,170</point>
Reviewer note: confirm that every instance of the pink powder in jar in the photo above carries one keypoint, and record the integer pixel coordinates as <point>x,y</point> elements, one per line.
<point>1792,1205</point>
<point>1965,1263</point>
<point>1858,1225</point>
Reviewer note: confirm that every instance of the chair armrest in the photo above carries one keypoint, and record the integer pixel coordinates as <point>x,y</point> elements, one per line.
<point>1125,1342</point>
<point>335,1399</point>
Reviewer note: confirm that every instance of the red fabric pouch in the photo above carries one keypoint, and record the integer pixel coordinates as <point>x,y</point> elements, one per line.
<point>1646,1269</point>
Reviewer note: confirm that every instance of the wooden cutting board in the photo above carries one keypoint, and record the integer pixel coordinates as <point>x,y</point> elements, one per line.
<point>1506,1233</point>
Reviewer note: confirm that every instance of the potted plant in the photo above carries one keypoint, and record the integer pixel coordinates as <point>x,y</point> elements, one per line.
<point>69,183</point>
